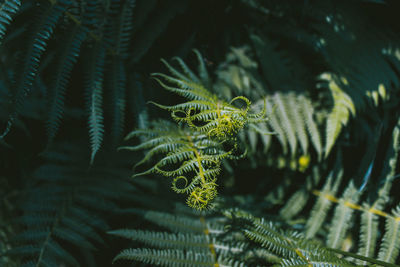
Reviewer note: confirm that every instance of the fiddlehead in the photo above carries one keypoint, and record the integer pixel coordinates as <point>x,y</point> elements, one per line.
<point>192,154</point>
<point>191,159</point>
<point>205,112</point>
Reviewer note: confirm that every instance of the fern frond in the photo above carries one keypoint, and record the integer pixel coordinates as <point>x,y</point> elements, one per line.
<point>204,111</point>
<point>193,234</point>
<point>7,9</point>
<point>342,217</point>
<point>343,107</point>
<point>290,246</point>
<point>183,224</point>
<point>66,212</point>
<point>42,31</point>
<point>123,28</point>
<point>275,125</point>
<point>292,119</point>
<point>368,232</point>
<point>370,217</point>
<point>390,246</point>
<point>94,88</point>
<point>189,157</point>
<point>285,122</point>
<point>202,70</point>
<point>166,240</point>
<point>166,257</point>
<point>307,111</point>
<point>118,36</point>
<point>299,199</point>
<point>323,204</point>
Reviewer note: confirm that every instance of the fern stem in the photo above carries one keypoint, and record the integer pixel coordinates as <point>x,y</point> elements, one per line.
<point>352,205</point>
<point>363,258</point>
<point>211,245</point>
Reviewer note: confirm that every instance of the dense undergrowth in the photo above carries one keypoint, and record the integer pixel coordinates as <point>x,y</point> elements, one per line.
<point>268,135</point>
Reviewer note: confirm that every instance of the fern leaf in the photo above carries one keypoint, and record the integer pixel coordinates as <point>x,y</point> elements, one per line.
<point>202,70</point>
<point>166,240</point>
<point>342,217</point>
<point>275,125</point>
<point>296,117</point>
<point>41,33</point>
<point>390,246</point>
<point>307,111</point>
<point>94,88</point>
<point>65,213</point>
<point>167,257</point>
<point>7,9</point>
<point>123,28</point>
<point>369,219</point>
<point>323,204</point>
<point>339,116</point>
<point>368,232</point>
<point>282,112</point>
<point>295,204</point>
<point>183,224</point>
<point>188,75</point>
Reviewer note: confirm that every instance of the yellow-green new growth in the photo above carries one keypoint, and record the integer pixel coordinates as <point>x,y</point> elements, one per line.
<point>191,155</point>
<point>204,111</point>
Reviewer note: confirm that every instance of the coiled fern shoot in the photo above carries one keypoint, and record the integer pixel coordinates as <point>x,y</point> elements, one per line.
<point>191,153</point>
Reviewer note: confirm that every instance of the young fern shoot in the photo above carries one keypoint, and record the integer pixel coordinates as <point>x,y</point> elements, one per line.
<point>204,111</point>
<point>190,158</point>
<point>191,152</point>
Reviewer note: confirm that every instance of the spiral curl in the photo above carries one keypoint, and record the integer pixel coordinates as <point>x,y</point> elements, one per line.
<point>201,197</point>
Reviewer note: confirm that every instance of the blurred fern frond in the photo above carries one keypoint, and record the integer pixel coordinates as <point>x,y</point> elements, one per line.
<point>49,43</point>
<point>65,207</point>
<point>191,239</point>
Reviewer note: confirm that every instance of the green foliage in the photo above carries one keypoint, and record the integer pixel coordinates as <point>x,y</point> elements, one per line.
<point>199,149</point>
<point>64,205</point>
<point>7,9</point>
<point>189,157</point>
<point>191,240</point>
<point>342,108</point>
<point>305,93</point>
<point>204,112</point>
<point>61,38</point>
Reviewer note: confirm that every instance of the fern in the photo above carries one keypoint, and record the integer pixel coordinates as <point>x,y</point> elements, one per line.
<point>292,119</point>
<point>64,207</point>
<point>200,148</point>
<point>195,240</point>
<point>7,9</point>
<point>371,212</point>
<point>390,247</point>
<point>204,111</point>
<point>189,157</point>
<point>342,217</point>
<point>290,246</point>
<point>52,47</point>
<point>41,33</point>
<point>322,205</point>
<point>343,107</point>
<point>95,98</point>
